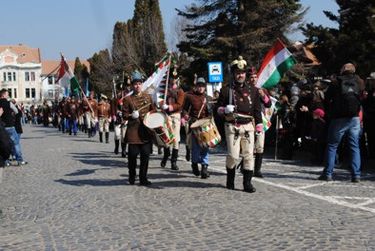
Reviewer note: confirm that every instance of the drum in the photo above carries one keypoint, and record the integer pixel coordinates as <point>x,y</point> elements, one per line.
<point>206,133</point>
<point>161,124</point>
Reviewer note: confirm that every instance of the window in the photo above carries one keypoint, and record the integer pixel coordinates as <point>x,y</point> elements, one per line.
<point>32,76</point>
<point>32,92</point>
<point>15,92</point>
<point>4,76</point>
<point>9,76</point>
<point>14,76</point>
<point>27,76</point>
<point>27,93</point>
<point>10,93</point>
<point>50,80</point>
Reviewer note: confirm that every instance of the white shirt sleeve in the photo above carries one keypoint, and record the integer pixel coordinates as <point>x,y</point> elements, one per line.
<point>13,107</point>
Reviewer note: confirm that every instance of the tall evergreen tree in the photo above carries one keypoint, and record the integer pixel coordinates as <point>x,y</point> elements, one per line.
<point>148,33</point>
<point>222,30</point>
<point>78,67</point>
<point>101,72</point>
<point>353,40</point>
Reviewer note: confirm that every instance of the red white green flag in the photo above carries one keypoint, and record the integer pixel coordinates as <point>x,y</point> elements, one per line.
<point>67,78</point>
<point>277,61</point>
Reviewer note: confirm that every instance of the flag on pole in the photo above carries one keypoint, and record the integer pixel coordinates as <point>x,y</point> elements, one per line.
<point>67,78</point>
<point>277,61</point>
<point>156,83</point>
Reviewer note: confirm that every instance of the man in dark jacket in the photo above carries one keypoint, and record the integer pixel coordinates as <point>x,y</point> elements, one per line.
<point>8,118</point>
<point>5,143</point>
<point>343,100</point>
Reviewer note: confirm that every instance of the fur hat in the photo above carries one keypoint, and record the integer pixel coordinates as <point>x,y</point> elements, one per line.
<point>238,64</point>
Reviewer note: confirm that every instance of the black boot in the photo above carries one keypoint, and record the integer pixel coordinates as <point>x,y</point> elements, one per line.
<point>167,153</point>
<point>258,165</point>
<point>107,137</point>
<point>117,143</point>
<point>101,137</point>
<point>231,173</point>
<point>174,159</point>
<point>195,168</point>
<point>143,181</point>
<point>247,186</point>
<point>187,156</point>
<point>204,172</point>
<point>132,174</point>
<point>89,132</point>
<point>123,150</point>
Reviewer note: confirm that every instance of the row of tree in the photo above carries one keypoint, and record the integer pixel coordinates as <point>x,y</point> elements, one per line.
<point>220,30</point>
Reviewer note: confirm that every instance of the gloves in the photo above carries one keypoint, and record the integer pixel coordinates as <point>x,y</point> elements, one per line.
<point>165,107</point>
<point>135,114</point>
<point>229,109</point>
<point>259,128</point>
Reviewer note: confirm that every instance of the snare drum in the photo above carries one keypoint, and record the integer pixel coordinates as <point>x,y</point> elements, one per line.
<point>161,124</point>
<point>206,133</point>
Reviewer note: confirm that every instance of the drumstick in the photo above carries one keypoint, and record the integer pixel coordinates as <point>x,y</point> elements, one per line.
<point>143,106</point>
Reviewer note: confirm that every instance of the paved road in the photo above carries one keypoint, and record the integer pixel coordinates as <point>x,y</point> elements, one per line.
<point>74,195</point>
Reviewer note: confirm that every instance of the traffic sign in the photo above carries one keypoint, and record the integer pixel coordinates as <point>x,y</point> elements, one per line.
<point>215,72</point>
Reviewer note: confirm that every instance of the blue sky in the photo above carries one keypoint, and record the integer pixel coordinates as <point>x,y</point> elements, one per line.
<point>83,27</point>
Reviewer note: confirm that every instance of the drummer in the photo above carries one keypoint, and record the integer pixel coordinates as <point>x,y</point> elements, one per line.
<point>137,135</point>
<point>197,107</point>
<point>173,107</point>
<point>240,103</point>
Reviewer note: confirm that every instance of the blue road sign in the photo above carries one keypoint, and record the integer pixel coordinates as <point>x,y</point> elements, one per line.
<point>215,72</point>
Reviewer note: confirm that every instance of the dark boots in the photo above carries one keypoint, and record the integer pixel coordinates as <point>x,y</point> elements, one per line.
<point>132,174</point>
<point>174,159</point>
<point>167,153</point>
<point>101,137</point>
<point>258,165</point>
<point>187,156</point>
<point>143,181</point>
<point>107,137</point>
<point>231,173</point>
<point>247,186</point>
<point>123,150</point>
<point>204,172</point>
<point>195,168</point>
<point>117,144</point>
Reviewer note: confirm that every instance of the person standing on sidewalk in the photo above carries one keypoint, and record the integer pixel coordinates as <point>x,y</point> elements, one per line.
<point>9,120</point>
<point>343,98</point>
<point>265,102</point>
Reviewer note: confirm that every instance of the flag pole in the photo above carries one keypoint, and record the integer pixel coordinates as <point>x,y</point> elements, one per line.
<point>167,80</point>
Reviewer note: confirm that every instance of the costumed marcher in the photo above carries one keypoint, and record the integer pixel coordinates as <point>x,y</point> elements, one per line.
<point>197,106</point>
<point>138,137</point>
<point>172,106</point>
<point>104,111</point>
<point>61,119</point>
<point>90,108</point>
<point>72,115</point>
<point>265,103</point>
<point>119,124</point>
<point>240,103</point>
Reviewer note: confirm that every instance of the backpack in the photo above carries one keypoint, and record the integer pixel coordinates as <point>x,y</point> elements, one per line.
<point>349,96</point>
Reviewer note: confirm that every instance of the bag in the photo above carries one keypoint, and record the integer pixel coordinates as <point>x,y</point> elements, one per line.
<point>349,96</point>
<point>6,143</point>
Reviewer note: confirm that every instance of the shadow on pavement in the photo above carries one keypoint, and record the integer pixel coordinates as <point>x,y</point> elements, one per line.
<point>93,182</point>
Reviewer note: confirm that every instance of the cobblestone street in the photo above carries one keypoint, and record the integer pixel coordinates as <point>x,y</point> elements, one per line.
<point>74,195</point>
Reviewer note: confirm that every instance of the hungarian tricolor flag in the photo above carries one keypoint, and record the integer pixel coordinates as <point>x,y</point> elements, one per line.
<point>277,61</point>
<point>67,78</point>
